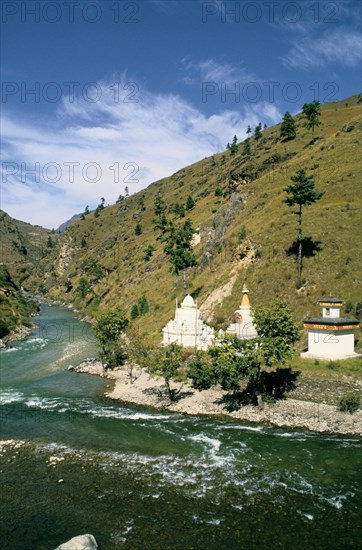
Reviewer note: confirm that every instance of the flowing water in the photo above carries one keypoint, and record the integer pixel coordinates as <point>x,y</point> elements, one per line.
<point>142,479</point>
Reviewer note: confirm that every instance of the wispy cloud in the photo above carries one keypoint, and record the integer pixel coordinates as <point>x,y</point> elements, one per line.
<point>94,149</point>
<point>340,46</point>
<point>210,70</point>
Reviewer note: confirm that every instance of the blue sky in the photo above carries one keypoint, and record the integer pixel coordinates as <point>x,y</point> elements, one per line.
<point>98,95</point>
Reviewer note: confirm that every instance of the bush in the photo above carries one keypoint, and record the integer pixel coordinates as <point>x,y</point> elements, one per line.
<point>333,365</point>
<point>349,402</point>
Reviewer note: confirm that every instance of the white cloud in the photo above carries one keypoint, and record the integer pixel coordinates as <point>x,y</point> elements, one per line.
<point>209,70</point>
<point>338,46</point>
<point>92,150</point>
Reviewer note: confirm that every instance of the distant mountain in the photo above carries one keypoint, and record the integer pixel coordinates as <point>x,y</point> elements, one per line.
<point>66,224</point>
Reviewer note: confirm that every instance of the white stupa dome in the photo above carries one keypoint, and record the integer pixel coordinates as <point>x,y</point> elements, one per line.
<point>188,302</point>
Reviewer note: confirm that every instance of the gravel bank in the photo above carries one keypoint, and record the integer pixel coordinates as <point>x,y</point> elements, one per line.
<point>291,413</point>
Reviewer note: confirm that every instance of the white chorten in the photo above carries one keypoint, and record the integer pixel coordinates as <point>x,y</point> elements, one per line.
<point>330,337</point>
<point>187,328</point>
<point>244,327</point>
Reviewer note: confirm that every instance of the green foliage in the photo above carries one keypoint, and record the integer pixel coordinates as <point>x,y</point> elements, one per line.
<point>178,246</point>
<point>277,330</point>
<point>242,233</point>
<point>200,372</point>
<point>349,402</point>
<point>190,203</point>
<point>257,132</point>
<point>248,131</point>
<point>92,268</point>
<point>167,362</point>
<point>312,112</point>
<point>288,128</point>
<point>218,192</point>
<point>86,210</point>
<point>301,193</point>
<point>83,287</point>
<point>50,243</point>
<point>143,306</point>
<point>141,203</point>
<point>149,250</point>
<point>232,360</point>
<point>247,148</point>
<point>179,210</point>
<point>99,208</point>
<point>109,329</point>
<point>68,285</point>
<point>134,312</point>
<point>138,230</point>
<point>83,242</point>
<point>234,146</point>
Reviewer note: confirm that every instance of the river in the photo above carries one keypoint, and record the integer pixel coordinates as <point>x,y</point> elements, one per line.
<point>142,479</point>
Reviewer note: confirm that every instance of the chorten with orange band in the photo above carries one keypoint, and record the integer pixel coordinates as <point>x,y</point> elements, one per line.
<point>244,327</point>
<point>330,337</point>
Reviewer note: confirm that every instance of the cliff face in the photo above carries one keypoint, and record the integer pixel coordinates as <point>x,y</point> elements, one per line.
<point>245,231</point>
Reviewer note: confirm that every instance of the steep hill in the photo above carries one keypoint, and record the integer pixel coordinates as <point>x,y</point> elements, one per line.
<point>242,237</point>
<point>26,250</point>
<point>24,246</point>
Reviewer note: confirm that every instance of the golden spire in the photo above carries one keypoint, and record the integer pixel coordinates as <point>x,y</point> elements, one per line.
<point>245,299</point>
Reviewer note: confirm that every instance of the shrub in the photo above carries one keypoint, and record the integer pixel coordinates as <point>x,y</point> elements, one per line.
<point>333,365</point>
<point>349,402</point>
<point>242,234</point>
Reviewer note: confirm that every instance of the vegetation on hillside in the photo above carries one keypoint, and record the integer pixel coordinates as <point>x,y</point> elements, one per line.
<point>234,189</point>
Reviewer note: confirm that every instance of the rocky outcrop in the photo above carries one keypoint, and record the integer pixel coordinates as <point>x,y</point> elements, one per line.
<point>82,542</point>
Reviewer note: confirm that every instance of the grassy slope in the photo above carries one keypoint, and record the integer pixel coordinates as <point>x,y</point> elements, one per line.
<point>335,221</point>
<point>23,248</point>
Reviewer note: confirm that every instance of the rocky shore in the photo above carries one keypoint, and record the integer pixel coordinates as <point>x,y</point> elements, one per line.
<point>19,334</point>
<point>290,413</point>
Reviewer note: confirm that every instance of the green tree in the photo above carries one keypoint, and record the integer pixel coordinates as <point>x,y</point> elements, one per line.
<point>234,146</point>
<point>83,287</point>
<point>247,148</point>
<point>278,332</point>
<point>257,132</point>
<point>143,306</point>
<point>242,233</point>
<point>138,230</point>
<point>86,210</point>
<point>301,193</point>
<point>312,112</point>
<point>190,203</point>
<point>248,131</point>
<point>218,192</point>
<point>134,312</point>
<point>109,330</point>
<point>200,372</point>
<point>288,128</point>
<point>168,362</point>
<point>179,210</point>
<point>50,243</point>
<point>148,253</point>
<point>178,248</point>
<point>83,242</point>
<point>141,203</point>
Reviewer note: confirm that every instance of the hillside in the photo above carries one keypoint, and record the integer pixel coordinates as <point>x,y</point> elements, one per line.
<point>25,251</point>
<point>105,251</point>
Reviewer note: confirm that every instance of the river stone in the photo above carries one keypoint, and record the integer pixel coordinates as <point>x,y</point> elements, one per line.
<point>82,542</point>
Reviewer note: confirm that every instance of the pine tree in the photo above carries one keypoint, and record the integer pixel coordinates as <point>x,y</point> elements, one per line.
<point>301,193</point>
<point>312,113</point>
<point>138,230</point>
<point>234,145</point>
<point>247,147</point>
<point>257,132</point>
<point>288,128</point>
<point>190,203</point>
<point>248,131</point>
<point>178,248</point>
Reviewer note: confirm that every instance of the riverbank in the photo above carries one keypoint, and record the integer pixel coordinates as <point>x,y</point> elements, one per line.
<point>19,334</point>
<point>290,413</point>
